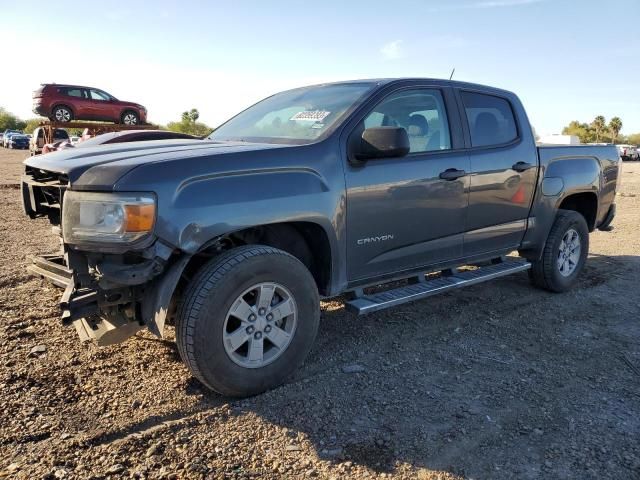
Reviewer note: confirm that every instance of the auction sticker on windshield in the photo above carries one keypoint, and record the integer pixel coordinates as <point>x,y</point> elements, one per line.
<point>311,116</point>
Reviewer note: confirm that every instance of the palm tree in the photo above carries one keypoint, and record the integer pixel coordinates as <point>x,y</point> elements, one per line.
<point>615,125</point>
<point>598,124</point>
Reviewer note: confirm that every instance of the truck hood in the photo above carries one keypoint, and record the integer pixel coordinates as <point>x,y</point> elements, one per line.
<point>100,167</point>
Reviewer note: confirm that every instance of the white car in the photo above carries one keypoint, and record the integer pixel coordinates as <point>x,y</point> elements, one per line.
<point>628,152</point>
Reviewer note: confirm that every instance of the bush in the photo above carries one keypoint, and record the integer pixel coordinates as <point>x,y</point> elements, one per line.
<point>189,124</point>
<point>10,121</point>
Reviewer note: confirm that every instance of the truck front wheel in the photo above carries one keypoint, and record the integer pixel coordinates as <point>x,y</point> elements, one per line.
<point>565,253</point>
<point>248,320</point>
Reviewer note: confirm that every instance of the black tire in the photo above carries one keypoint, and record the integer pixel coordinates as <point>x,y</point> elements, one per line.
<point>62,114</point>
<point>545,272</point>
<point>201,318</point>
<point>129,117</point>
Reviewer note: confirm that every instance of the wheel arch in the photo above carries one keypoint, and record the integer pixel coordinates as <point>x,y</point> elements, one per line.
<point>63,104</point>
<point>128,109</point>
<point>585,203</point>
<point>307,241</point>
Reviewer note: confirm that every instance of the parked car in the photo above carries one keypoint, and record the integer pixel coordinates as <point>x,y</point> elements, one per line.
<point>118,137</point>
<point>5,136</point>
<point>18,140</point>
<point>64,103</point>
<point>628,152</point>
<point>37,142</point>
<point>315,192</point>
<point>55,146</point>
<point>134,136</point>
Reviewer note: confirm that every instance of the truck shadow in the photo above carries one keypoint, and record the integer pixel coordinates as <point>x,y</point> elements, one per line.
<point>481,379</point>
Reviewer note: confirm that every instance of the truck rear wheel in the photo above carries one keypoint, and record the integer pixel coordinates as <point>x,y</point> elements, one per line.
<point>248,320</point>
<point>565,253</point>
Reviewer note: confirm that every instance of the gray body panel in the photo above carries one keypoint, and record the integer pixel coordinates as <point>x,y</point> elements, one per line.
<point>565,171</point>
<point>208,189</point>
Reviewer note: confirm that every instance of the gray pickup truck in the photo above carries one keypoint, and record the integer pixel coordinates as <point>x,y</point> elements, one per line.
<point>383,191</point>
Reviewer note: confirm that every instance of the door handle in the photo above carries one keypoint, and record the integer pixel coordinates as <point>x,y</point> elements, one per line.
<point>452,174</point>
<point>521,166</point>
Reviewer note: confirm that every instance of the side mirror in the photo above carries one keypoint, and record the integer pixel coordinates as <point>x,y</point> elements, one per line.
<point>382,142</point>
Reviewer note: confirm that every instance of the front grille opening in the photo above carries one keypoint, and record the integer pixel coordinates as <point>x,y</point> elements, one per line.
<point>44,193</point>
<point>44,176</point>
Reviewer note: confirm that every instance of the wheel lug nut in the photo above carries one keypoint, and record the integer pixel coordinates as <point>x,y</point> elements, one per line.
<point>250,329</point>
<point>257,335</point>
<point>261,311</point>
<point>252,317</point>
<point>267,329</point>
<point>270,317</point>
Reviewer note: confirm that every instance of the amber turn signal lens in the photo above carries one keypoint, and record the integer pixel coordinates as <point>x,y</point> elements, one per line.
<point>139,218</point>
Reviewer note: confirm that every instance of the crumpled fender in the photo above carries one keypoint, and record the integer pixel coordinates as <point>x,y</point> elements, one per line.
<point>155,305</point>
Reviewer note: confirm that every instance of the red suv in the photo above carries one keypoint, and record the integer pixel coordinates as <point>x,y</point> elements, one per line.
<point>63,103</point>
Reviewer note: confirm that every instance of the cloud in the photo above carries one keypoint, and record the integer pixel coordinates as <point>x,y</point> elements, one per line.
<point>482,4</point>
<point>392,50</point>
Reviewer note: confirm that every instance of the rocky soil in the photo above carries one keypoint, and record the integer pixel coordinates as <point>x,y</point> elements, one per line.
<point>496,381</point>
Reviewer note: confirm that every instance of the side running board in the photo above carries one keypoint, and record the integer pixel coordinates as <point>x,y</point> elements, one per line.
<point>369,303</point>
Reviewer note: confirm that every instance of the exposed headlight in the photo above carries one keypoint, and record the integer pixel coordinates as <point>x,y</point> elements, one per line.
<point>107,217</point>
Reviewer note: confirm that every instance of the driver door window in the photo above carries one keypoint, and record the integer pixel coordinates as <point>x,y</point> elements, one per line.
<point>421,113</point>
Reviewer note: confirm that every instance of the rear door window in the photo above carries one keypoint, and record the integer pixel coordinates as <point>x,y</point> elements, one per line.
<point>490,118</point>
<point>74,92</point>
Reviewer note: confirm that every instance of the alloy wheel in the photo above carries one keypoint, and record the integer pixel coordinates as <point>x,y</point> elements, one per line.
<point>569,253</point>
<point>130,119</point>
<point>63,115</point>
<point>260,324</point>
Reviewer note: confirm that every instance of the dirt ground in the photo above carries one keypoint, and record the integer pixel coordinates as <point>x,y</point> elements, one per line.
<point>499,380</point>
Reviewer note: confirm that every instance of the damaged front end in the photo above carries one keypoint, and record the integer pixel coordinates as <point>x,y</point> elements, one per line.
<point>117,277</point>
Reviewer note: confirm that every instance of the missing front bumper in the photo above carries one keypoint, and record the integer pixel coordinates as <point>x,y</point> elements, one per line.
<point>52,268</point>
<point>94,313</point>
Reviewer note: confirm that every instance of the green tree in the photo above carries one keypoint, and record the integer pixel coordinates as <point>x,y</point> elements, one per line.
<point>598,125</point>
<point>31,124</point>
<point>615,125</point>
<point>580,130</point>
<point>633,139</point>
<point>191,116</point>
<point>10,121</point>
<point>189,124</point>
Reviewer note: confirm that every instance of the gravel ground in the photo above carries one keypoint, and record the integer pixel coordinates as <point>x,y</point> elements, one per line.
<point>499,380</point>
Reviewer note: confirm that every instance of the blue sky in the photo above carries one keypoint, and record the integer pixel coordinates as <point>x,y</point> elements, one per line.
<point>566,59</point>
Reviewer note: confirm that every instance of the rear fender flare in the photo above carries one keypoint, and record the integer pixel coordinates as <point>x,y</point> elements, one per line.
<point>562,178</point>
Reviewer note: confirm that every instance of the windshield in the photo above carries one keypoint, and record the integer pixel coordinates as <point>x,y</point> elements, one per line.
<point>296,116</point>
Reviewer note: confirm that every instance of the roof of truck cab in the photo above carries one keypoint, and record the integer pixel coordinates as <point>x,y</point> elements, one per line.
<point>437,81</point>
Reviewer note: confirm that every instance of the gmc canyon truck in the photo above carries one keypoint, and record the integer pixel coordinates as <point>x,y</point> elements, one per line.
<point>383,191</point>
